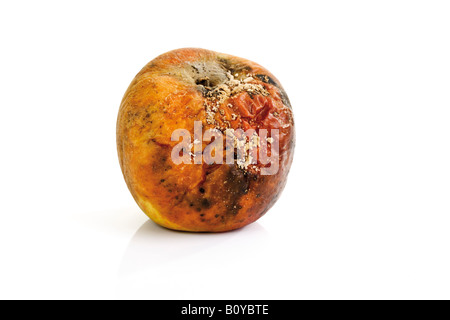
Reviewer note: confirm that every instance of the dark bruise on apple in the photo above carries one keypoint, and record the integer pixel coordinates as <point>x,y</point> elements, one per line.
<point>224,92</point>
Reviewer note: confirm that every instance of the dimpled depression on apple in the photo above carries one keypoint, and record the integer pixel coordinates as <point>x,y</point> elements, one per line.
<point>176,109</point>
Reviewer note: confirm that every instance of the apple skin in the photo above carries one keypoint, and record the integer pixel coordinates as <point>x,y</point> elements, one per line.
<point>168,94</point>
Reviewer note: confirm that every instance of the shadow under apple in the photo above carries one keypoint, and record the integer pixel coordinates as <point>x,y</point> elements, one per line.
<point>153,246</point>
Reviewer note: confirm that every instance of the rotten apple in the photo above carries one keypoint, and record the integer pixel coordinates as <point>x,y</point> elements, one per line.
<point>201,91</point>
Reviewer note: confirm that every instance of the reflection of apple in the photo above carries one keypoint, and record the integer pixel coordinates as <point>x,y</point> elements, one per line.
<point>223,92</point>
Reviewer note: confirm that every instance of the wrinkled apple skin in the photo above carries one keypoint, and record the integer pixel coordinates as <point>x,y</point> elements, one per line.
<point>168,94</point>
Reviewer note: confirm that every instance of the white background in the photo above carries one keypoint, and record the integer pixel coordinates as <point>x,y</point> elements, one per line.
<point>365,214</point>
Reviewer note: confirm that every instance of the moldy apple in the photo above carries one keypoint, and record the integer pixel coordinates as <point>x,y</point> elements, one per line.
<point>224,92</point>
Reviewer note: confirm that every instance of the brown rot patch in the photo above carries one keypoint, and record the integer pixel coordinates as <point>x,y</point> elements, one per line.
<point>233,67</point>
<point>199,202</point>
<point>285,98</point>
<point>266,79</point>
<point>205,203</point>
<point>237,185</point>
<point>160,163</point>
